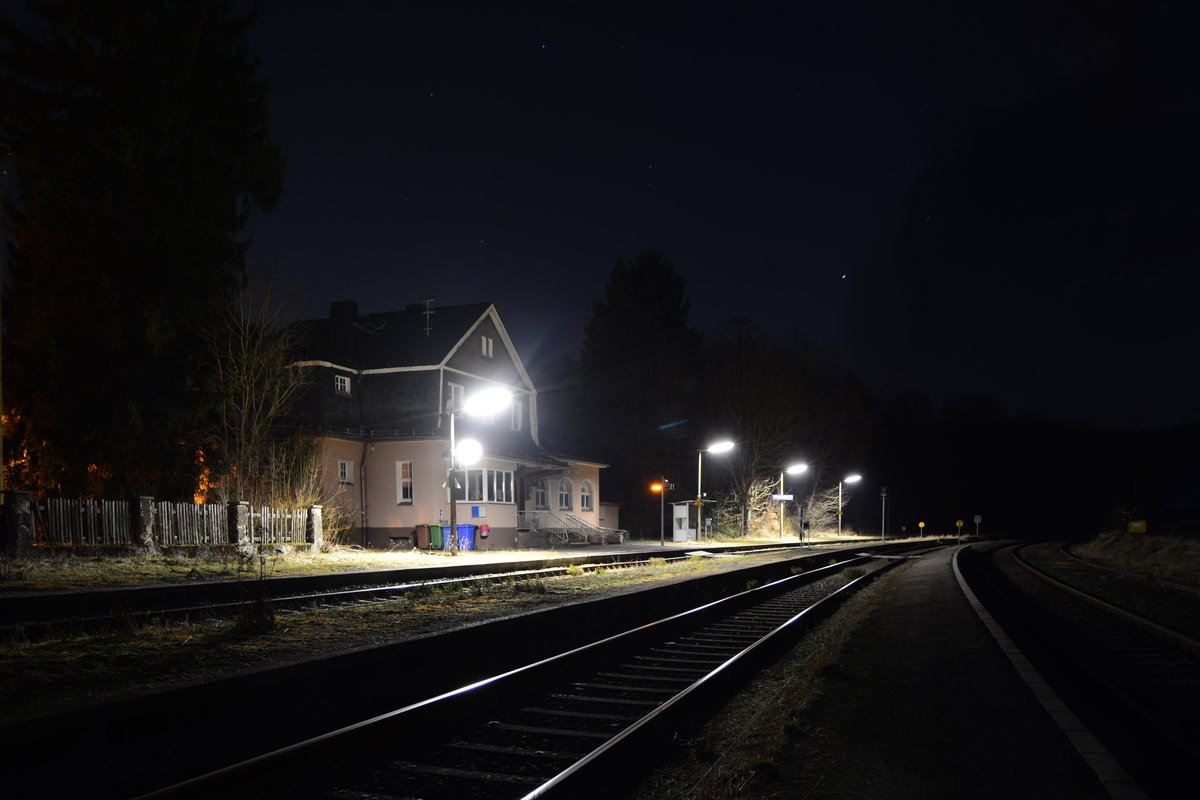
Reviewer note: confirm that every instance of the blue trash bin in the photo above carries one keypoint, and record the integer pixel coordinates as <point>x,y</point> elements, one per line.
<point>466,537</point>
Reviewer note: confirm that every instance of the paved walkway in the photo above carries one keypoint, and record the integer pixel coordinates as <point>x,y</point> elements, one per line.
<point>925,704</point>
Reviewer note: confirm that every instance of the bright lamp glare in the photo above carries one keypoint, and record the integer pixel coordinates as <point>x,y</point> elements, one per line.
<point>469,451</point>
<point>656,487</point>
<point>796,469</point>
<point>852,479</point>
<point>487,401</point>
<point>721,447</point>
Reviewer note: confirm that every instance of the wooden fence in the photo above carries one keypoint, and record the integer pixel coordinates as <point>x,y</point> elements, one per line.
<point>70,522</point>
<point>87,522</point>
<point>181,524</point>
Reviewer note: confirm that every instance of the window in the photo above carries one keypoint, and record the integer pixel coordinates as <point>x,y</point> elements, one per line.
<point>564,495</point>
<point>518,413</point>
<point>585,496</point>
<point>454,399</point>
<point>487,346</point>
<point>500,485</point>
<point>345,471</point>
<point>341,384</point>
<point>487,486</point>
<point>539,494</point>
<point>475,486</point>
<point>404,482</point>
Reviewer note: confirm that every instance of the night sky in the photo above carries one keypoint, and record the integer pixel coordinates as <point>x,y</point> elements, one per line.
<point>994,199</point>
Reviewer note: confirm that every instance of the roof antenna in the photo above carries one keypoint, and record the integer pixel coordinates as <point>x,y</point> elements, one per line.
<point>428,312</point>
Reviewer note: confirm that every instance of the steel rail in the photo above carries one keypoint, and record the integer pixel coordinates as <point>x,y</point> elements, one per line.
<point>440,713</point>
<point>254,591</point>
<point>1176,637</point>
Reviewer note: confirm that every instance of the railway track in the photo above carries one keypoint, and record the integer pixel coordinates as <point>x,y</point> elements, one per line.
<point>570,725</point>
<point>1120,651</point>
<point>36,617</point>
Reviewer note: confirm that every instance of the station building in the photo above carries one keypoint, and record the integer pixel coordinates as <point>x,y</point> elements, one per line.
<point>384,389</point>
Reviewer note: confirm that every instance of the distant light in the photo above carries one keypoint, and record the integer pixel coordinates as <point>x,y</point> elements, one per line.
<point>487,401</point>
<point>852,479</point>
<point>656,487</point>
<point>469,452</point>
<point>796,469</point>
<point>721,447</point>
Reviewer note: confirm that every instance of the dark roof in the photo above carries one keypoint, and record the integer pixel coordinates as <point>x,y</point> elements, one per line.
<point>389,339</point>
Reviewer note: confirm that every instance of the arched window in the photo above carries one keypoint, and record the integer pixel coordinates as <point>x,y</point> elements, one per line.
<point>539,494</point>
<point>585,497</point>
<point>564,495</point>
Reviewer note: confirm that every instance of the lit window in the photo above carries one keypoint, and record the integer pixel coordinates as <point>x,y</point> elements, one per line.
<point>487,346</point>
<point>585,496</point>
<point>539,494</point>
<point>475,486</point>
<point>564,495</point>
<point>345,471</point>
<point>500,485</point>
<point>404,482</point>
<point>487,486</point>
<point>341,384</point>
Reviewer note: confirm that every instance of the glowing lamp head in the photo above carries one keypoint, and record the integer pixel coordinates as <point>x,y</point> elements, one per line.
<point>468,452</point>
<point>796,469</point>
<point>656,487</point>
<point>486,402</point>
<point>852,479</point>
<point>720,447</point>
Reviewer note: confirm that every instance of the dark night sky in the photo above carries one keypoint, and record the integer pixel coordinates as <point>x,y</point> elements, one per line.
<point>987,198</point>
<point>783,156</point>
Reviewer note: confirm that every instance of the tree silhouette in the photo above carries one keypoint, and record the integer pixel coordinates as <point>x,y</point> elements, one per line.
<point>141,149</point>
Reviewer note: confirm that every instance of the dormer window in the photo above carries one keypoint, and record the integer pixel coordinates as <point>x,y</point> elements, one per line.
<point>341,384</point>
<point>487,346</point>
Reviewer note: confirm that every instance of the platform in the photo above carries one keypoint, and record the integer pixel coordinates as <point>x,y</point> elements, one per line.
<point>926,703</point>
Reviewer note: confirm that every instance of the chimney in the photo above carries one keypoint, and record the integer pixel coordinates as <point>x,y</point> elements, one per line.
<point>343,310</point>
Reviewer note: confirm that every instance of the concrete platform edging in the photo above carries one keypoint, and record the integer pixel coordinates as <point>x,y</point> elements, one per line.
<point>1118,782</point>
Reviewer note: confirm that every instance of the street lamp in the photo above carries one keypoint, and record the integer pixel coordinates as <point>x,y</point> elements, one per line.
<point>847,479</point>
<point>717,448</point>
<point>794,469</point>
<point>480,404</point>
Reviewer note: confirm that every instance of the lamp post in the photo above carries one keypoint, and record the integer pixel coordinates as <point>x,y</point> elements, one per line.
<point>482,403</point>
<point>661,488</point>
<point>883,513</point>
<point>794,469</point>
<point>847,479</point>
<point>716,448</point>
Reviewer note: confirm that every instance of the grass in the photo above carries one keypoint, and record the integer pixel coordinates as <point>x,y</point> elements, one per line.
<point>53,569</point>
<point>1170,558</point>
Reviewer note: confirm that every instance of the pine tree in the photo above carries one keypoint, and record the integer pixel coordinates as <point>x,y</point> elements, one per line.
<point>141,149</point>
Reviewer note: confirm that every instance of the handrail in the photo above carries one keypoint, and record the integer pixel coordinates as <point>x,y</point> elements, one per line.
<point>563,529</point>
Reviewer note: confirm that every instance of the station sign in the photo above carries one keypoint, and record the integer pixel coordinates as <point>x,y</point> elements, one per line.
<point>781,498</point>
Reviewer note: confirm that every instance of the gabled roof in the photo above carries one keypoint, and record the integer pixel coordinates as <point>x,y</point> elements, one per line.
<point>388,339</point>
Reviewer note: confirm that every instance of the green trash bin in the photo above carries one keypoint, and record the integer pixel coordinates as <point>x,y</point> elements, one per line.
<point>435,537</point>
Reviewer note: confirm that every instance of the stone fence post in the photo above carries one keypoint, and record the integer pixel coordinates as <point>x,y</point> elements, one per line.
<point>316,531</point>
<point>17,533</point>
<point>143,525</point>
<point>239,526</point>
